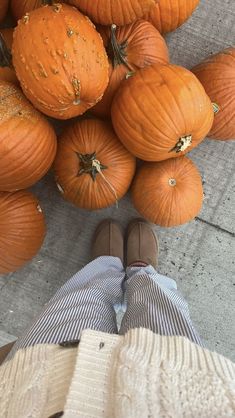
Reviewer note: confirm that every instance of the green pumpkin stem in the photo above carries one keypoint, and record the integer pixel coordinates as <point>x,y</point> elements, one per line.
<point>90,165</point>
<point>118,52</point>
<point>5,54</point>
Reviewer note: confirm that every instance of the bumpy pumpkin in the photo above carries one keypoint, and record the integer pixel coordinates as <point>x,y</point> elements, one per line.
<point>167,15</point>
<point>7,72</point>
<point>92,168</point>
<point>27,141</point>
<point>22,229</point>
<point>20,8</point>
<point>129,48</point>
<point>119,12</point>
<point>168,193</point>
<point>3,9</point>
<point>217,75</point>
<point>161,112</point>
<point>60,61</point>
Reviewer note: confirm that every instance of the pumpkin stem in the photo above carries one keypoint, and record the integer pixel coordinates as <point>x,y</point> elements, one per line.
<point>5,54</point>
<point>118,52</point>
<point>183,143</point>
<point>216,108</point>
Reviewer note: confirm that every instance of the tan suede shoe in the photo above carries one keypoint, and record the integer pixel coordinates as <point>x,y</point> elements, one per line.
<point>142,244</point>
<point>108,240</point>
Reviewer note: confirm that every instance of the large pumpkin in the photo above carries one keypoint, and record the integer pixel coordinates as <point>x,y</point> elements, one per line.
<point>161,112</point>
<point>7,71</point>
<point>3,9</point>
<point>60,61</point>
<point>129,48</point>
<point>119,12</point>
<point>217,75</point>
<point>167,15</point>
<point>93,170</point>
<point>27,141</point>
<point>22,229</point>
<point>20,7</point>
<point>168,193</point>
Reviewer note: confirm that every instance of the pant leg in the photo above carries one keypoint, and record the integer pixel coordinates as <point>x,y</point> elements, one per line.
<point>86,301</point>
<point>153,302</point>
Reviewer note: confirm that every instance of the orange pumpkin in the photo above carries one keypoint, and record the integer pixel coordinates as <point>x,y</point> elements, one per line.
<point>129,48</point>
<point>22,229</point>
<point>20,8</point>
<point>168,15</point>
<point>7,72</point>
<point>119,12</point>
<point>60,61</point>
<point>217,75</point>
<point>92,168</point>
<point>161,112</point>
<point>27,141</point>
<point>168,193</point>
<point>3,9</point>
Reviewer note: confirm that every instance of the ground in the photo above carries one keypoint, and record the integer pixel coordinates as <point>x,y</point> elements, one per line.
<point>199,255</point>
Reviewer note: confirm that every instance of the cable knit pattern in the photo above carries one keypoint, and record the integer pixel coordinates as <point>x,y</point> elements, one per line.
<point>139,375</point>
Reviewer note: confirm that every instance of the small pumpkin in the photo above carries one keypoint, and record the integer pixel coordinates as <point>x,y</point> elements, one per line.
<point>161,112</point>
<point>92,168</point>
<point>60,61</point>
<point>217,75</point>
<point>129,48</point>
<point>7,71</point>
<point>27,141</point>
<point>20,8</point>
<point>3,9</point>
<point>168,15</point>
<point>168,193</point>
<point>119,12</point>
<point>22,229</point>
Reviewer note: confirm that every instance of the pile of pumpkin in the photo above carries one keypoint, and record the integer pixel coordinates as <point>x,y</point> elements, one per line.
<point>61,65</point>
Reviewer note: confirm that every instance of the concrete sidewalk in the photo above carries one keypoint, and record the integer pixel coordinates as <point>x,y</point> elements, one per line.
<point>199,255</point>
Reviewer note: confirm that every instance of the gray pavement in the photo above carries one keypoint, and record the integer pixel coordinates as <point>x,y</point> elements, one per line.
<point>199,255</point>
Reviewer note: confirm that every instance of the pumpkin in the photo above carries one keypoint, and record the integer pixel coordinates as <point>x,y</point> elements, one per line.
<point>129,48</point>
<point>22,229</point>
<point>27,141</point>
<point>60,61</point>
<point>20,8</point>
<point>7,72</point>
<point>217,75</point>
<point>161,112</point>
<point>92,168</point>
<point>168,15</point>
<point>168,193</point>
<point>119,12</point>
<point>3,9</point>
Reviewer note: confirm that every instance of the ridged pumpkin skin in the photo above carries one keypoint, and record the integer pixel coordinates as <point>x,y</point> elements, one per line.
<point>74,178</point>
<point>20,7</point>
<point>27,141</point>
<point>22,229</point>
<point>129,48</point>
<point>60,61</point>
<point>168,15</point>
<point>7,73</point>
<point>217,75</point>
<point>3,9</point>
<point>168,193</point>
<point>119,12</point>
<point>161,112</point>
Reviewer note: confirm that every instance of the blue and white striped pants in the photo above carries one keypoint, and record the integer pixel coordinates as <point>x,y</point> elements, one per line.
<point>88,300</point>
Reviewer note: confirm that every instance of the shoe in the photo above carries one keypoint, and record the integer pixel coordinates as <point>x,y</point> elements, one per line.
<point>141,244</point>
<point>108,240</point>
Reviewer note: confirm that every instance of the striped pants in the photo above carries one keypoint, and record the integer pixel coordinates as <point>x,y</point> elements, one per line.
<point>89,298</point>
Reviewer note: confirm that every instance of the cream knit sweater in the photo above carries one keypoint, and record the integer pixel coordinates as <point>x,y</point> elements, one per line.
<point>139,375</point>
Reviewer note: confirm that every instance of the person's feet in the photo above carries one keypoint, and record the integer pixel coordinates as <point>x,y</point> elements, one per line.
<point>141,244</point>
<point>108,240</point>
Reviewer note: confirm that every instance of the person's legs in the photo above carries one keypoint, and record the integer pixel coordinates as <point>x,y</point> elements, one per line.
<point>87,300</point>
<point>153,301</point>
